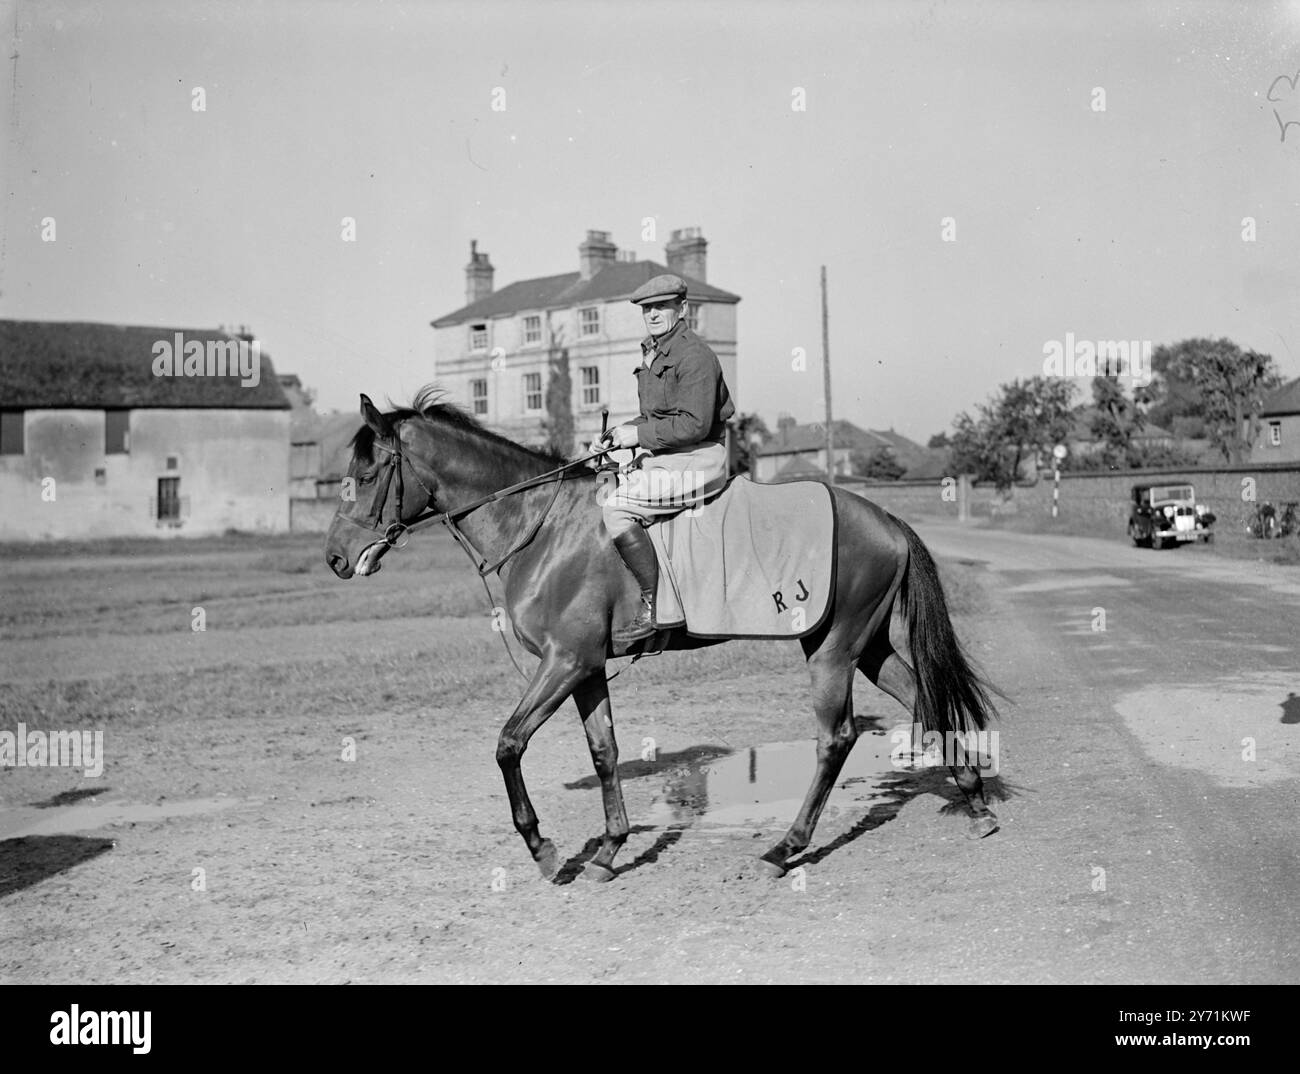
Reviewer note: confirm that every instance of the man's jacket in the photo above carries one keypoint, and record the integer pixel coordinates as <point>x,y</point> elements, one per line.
<point>684,400</point>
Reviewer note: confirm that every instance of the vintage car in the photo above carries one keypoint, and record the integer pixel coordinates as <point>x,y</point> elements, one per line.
<point>1168,514</point>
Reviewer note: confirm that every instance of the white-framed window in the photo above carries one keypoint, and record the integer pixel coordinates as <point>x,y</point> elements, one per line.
<point>478,337</point>
<point>532,329</point>
<point>589,320</point>
<point>478,396</point>
<point>590,385</point>
<point>1274,434</point>
<point>693,316</point>
<point>532,391</point>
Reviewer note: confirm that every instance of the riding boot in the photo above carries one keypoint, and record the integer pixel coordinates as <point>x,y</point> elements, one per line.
<point>638,552</point>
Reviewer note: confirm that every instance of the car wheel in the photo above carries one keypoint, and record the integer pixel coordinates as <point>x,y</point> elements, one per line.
<point>1157,542</point>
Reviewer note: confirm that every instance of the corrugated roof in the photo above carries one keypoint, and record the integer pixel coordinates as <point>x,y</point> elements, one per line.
<point>79,364</point>
<point>616,280</point>
<point>1286,400</point>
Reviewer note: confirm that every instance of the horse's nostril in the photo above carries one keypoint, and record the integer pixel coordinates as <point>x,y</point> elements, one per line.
<point>338,564</point>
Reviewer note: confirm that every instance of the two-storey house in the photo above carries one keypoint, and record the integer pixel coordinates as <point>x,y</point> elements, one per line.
<point>496,354</point>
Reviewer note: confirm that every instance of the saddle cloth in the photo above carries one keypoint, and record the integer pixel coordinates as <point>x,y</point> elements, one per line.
<point>756,561</point>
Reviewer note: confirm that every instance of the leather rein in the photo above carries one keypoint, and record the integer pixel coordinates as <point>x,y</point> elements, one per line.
<point>396,531</point>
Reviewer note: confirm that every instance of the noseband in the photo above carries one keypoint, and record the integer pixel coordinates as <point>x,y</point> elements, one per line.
<point>392,469</point>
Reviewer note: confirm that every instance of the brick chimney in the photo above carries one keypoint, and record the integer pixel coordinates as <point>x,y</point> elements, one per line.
<point>686,253</point>
<point>478,275</point>
<point>594,253</point>
<point>785,424</point>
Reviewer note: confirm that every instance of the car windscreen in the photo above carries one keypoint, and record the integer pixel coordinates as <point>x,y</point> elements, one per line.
<point>1162,493</point>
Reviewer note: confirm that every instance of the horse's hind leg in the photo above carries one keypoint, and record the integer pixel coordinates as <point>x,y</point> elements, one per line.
<point>889,671</point>
<point>832,676</point>
<point>592,696</point>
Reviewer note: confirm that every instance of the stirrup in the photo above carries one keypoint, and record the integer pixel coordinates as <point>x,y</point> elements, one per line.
<point>641,626</point>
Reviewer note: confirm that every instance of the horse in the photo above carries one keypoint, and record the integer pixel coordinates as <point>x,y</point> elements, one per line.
<point>533,519</point>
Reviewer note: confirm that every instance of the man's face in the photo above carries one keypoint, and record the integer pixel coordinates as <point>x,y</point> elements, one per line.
<point>661,316</point>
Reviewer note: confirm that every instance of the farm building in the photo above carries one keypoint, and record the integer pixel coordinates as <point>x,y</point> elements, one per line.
<point>1279,435</point>
<point>798,452</point>
<point>109,430</point>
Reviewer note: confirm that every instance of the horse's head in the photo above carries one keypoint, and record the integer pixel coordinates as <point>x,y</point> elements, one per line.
<point>385,488</point>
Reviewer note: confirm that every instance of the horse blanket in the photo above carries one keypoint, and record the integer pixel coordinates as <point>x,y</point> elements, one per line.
<point>756,561</point>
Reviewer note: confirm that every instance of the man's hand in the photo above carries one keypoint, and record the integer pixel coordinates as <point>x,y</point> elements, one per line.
<point>622,436</point>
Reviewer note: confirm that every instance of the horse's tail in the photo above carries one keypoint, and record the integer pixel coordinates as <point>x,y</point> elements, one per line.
<point>950,696</point>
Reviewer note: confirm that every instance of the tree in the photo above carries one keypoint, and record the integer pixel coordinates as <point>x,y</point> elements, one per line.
<point>749,427</point>
<point>880,464</point>
<point>1115,421</point>
<point>558,422</point>
<point>938,441</point>
<point>1024,420</point>
<point>1229,387</point>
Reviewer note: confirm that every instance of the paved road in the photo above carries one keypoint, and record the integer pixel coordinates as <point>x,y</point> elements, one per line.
<point>1155,747</point>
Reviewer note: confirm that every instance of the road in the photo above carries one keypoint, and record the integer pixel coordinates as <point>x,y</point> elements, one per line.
<point>1155,749</point>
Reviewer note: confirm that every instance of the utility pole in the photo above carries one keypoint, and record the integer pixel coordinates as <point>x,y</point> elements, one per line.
<point>826,377</point>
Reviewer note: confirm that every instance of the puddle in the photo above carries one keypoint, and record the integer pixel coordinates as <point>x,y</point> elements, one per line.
<point>88,817</point>
<point>763,786</point>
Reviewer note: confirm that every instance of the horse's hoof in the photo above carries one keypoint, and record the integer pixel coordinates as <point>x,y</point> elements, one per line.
<point>771,868</point>
<point>548,860</point>
<point>983,827</point>
<point>596,873</point>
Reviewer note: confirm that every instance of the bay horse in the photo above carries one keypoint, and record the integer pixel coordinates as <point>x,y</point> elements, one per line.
<point>565,586</point>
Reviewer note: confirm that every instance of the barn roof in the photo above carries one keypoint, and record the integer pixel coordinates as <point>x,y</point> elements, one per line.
<point>616,280</point>
<point>80,364</point>
<point>1286,400</point>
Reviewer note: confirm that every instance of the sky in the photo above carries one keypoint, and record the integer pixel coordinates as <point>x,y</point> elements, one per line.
<point>1122,223</point>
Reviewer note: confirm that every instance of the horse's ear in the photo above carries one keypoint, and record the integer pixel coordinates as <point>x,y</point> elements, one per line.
<point>373,418</point>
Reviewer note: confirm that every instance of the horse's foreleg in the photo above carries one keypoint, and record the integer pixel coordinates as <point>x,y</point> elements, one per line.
<point>832,679</point>
<point>592,697</point>
<point>894,675</point>
<point>553,682</point>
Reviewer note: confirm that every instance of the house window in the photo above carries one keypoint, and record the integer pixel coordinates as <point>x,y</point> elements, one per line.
<point>1275,434</point>
<point>693,316</point>
<point>169,499</point>
<point>117,432</point>
<point>11,432</point>
<point>532,330</point>
<point>478,395</point>
<point>590,321</point>
<point>590,385</point>
<point>532,391</point>
<point>478,337</point>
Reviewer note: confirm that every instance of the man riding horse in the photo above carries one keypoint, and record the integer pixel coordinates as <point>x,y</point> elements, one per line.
<point>679,438</point>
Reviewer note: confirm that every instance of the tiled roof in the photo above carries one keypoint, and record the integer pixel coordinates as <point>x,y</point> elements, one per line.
<point>1286,400</point>
<point>799,468</point>
<point>614,281</point>
<point>77,364</point>
<point>796,438</point>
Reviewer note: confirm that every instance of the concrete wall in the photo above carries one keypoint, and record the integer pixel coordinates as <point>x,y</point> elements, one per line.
<point>312,515</point>
<point>233,467</point>
<point>1102,496</point>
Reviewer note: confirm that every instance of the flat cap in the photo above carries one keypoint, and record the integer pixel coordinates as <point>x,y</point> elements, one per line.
<point>660,288</point>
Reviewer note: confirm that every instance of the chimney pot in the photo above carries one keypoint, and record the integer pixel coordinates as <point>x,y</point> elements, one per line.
<point>594,253</point>
<point>478,275</point>
<point>687,253</point>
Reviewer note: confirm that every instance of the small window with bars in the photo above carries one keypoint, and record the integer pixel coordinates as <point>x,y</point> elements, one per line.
<point>478,397</point>
<point>169,499</point>
<point>1275,434</point>
<point>532,391</point>
<point>532,330</point>
<point>478,337</point>
<point>590,321</point>
<point>590,385</point>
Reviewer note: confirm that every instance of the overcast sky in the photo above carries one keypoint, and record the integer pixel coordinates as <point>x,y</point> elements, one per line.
<point>1117,224</point>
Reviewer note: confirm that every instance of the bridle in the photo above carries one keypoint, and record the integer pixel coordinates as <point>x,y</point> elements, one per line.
<point>396,530</point>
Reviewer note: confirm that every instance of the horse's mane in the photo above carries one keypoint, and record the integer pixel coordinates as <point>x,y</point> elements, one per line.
<point>430,404</point>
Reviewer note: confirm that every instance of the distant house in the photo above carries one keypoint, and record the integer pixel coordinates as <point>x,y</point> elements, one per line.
<point>798,452</point>
<point>1279,435</point>
<point>492,354</point>
<point>1082,442</point>
<point>319,450</point>
<point>108,430</point>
